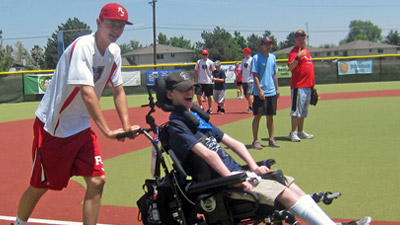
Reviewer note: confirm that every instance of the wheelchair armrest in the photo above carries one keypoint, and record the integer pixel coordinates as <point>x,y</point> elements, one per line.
<point>268,163</point>
<point>217,183</point>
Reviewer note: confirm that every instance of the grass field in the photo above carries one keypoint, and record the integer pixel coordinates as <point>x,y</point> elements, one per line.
<point>354,151</point>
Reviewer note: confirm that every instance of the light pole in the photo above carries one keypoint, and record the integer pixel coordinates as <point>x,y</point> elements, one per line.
<point>153,4</point>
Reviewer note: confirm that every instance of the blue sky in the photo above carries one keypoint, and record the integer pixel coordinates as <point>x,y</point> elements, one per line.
<point>33,21</point>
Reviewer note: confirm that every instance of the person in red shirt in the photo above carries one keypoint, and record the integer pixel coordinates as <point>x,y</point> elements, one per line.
<point>301,85</point>
<point>238,81</point>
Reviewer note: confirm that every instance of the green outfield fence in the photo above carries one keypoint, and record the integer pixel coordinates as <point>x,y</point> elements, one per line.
<point>384,68</point>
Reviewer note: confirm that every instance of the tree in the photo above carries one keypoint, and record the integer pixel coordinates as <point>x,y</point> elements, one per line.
<point>253,42</point>
<point>180,42</point>
<point>6,59</point>
<point>393,38</point>
<point>162,39</point>
<point>289,42</point>
<point>72,29</point>
<point>133,45</point>
<point>21,54</point>
<point>363,30</point>
<point>36,61</point>
<point>220,44</point>
<point>239,39</point>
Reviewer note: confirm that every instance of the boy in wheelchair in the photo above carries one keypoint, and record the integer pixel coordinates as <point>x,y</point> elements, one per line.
<point>203,140</point>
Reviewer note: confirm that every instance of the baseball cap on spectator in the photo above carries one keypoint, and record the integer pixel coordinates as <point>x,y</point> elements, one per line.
<point>179,81</point>
<point>246,50</point>
<point>114,11</point>
<point>266,39</point>
<point>300,33</point>
<point>204,52</point>
<point>217,63</point>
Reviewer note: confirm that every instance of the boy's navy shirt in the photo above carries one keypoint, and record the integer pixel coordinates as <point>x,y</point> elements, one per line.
<point>221,75</point>
<point>182,140</point>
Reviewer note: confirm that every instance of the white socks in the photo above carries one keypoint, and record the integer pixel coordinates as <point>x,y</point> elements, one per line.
<point>308,210</point>
<point>18,221</point>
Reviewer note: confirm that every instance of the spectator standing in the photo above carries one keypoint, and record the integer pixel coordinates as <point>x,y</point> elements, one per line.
<point>203,75</point>
<point>238,81</point>
<point>247,77</point>
<point>64,145</point>
<point>301,85</point>
<point>219,87</point>
<point>265,91</point>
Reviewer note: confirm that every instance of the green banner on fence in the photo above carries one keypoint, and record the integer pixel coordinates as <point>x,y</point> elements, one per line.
<point>283,71</point>
<point>36,83</point>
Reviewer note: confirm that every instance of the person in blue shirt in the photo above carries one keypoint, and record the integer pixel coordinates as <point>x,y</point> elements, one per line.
<point>185,141</point>
<point>265,91</point>
<point>219,87</point>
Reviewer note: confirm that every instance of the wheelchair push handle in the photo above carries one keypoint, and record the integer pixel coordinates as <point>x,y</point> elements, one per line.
<point>130,134</point>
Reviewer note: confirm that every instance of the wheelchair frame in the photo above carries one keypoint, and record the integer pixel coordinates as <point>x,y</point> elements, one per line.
<point>186,201</point>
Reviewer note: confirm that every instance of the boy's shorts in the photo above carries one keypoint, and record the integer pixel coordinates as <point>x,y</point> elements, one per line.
<point>219,96</point>
<point>207,89</point>
<point>265,107</point>
<point>267,190</point>
<point>56,159</point>
<point>300,101</point>
<point>248,88</point>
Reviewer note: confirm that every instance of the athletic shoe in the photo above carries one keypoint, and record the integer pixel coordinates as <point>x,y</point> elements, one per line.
<point>304,135</point>
<point>256,145</point>
<point>209,111</point>
<point>293,137</point>
<point>219,109</point>
<point>202,108</point>
<point>273,144</point>
<point>250,110</point>
<point>222,111</point>
<point>364,221</point>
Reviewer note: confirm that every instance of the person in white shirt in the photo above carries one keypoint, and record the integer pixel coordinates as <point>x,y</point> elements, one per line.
<point>64,145</point>
<point>203,75</point>
<point>247,77</point>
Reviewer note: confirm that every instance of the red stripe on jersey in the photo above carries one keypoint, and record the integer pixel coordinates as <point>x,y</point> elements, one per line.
<point>72,49</point>
<point>66,103</point>
<point>114,67</point>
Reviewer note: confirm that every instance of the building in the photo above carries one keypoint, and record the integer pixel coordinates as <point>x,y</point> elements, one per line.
<point>354,48</point>
<point>165,54</point>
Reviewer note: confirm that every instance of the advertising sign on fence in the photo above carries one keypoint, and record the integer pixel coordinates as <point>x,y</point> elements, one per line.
<point>355,67</point>
<point>36,83</point>
<point>151,75</point>
<point>131,78</point>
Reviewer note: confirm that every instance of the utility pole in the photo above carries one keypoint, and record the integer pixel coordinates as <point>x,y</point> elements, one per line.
<point>308,35</point>
<point>153,4</point>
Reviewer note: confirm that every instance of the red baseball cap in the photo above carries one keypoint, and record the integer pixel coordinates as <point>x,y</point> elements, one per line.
<point>204,52</point>
<point>114,11</point>
<point>246,50</point>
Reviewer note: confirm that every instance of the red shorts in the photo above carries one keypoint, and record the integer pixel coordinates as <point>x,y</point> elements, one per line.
<point>56,159</point>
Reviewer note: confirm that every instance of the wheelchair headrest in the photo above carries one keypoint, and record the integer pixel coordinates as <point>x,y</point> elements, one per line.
<point>166,105</point>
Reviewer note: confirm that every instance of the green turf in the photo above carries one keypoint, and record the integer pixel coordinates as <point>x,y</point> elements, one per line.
<point>354,151</point>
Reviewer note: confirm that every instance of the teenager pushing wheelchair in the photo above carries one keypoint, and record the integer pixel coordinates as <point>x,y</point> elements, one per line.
<point>202,139</point>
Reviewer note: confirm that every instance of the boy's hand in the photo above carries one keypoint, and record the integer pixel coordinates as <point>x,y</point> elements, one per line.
<point>261,170</point>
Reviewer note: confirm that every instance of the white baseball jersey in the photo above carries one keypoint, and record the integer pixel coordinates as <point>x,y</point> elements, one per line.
<point>205,70</point>
<point>62,109</point>
<point>245,66</point>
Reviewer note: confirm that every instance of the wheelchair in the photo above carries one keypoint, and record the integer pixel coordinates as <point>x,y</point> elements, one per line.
<point>183,195</point>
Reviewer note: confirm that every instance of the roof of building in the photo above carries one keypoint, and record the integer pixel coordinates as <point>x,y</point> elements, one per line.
<point>362,44</point>
<point>359,44</point>
<point>161,49</point>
